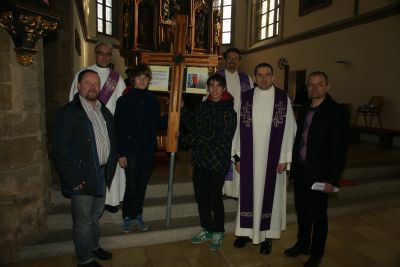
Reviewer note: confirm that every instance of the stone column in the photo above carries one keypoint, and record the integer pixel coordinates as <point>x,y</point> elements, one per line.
<point>24,163</point>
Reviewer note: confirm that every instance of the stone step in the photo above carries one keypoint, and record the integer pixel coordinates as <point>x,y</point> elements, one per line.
<point>154,210</point>
<point>184,206</point>
<point>58,243</point>
<point>372,170</point>
<point>158,186</point>
<point>158,190</point>
<point>376,186</point>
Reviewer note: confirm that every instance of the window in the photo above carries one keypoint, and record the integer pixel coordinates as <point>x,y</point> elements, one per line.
<point>225,9</point>
<point>105,16</point>
<point>269,19</point>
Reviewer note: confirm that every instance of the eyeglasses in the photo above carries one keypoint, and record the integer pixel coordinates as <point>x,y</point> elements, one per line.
<point>232,59</point>
<point>104,54</point>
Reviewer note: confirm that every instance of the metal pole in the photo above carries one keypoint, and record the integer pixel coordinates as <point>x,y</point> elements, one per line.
<point>170,189</point>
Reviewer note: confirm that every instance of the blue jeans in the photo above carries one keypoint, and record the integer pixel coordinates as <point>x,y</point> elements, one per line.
<point>137,176</point>
<point>86,211</point>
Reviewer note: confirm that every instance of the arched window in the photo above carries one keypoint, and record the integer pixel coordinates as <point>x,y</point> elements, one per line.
<point>105,16</point>
<point>269,19</point>
<point>225,9</point>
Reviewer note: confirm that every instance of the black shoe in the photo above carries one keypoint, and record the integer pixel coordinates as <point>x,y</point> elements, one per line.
<point>241,241</point>
<point>102,254</point>
<point>112,209</point>
<point>90,264</point>
<point>266,247</point>
<point>296,250</point>
<point>312,262</point>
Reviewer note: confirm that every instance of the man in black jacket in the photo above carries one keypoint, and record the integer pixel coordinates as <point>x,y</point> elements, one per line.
<point>137,117</point>
<point>319,156</point>
<point>84,150</point>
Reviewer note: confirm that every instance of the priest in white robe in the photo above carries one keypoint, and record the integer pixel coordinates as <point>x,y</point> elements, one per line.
<point>267,131</point>
<point>112,86</point>
<point>237,82</point>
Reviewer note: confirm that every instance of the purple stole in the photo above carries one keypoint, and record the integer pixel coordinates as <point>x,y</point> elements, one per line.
<point>243,78</point>
<point>246,158</point>
<point>244,87</point>
<point>109,87</point>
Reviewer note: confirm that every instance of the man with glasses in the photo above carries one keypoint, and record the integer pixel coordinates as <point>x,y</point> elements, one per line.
<point>237,82</point>
<point>111,88</point>
<point>319,156</point>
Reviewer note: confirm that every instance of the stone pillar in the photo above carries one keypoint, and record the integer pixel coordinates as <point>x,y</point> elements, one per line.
<point>24,163</point>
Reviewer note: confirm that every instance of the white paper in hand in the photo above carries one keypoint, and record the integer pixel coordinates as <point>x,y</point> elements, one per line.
<point>318,186</point>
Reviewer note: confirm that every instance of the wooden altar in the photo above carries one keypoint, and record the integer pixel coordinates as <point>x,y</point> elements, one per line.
<point>175,33</point>
<point>148,25</point>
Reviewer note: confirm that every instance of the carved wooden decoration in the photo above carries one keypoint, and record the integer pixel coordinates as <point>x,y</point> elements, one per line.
<point>201,23</point>
<point>179,41</point>
<point>148,26</point>
<point>26,24</point>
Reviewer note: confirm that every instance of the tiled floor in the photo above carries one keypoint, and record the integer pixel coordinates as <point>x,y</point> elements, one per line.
<point>365,240</point>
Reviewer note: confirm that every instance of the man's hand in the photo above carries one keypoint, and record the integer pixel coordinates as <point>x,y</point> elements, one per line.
<point>79,187</point>
<point>237,166</point>
<point>328,188</point>
<point>123,162</point>
<point>281,167</point>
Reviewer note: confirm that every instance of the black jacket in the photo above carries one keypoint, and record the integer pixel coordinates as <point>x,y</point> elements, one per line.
<point>137,118</point>
<point>75,152</point>
<point>210,134</point>
<point>326,145</point>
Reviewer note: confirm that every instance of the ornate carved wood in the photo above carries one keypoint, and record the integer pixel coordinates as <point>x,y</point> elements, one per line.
<point>26,22</point>
<point>178,61</point>
<point>177,43</point>
<point>203,29</point>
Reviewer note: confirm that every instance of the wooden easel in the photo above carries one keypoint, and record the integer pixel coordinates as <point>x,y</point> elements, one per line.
<point>178,60</point>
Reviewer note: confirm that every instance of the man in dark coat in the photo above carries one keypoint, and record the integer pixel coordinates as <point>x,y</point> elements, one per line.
<point>319,156</point>
<point>84,150</point>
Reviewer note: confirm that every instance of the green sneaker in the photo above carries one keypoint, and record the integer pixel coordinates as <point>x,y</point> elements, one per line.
<point>217,241</point>
<point>201,237</point>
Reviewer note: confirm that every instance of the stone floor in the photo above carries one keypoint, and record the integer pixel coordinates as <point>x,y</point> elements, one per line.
<point>365,240</point>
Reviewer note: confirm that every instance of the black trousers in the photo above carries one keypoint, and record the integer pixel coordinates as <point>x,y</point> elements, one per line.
<point>208,192</point>
<point>312,218</point>
<point>137,176</point>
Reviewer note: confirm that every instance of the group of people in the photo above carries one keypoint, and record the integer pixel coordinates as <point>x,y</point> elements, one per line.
<point>243,139</point>
<point>106,123</point>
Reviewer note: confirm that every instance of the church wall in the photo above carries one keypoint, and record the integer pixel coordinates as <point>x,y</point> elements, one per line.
<point>370,5</point>
<point>371,56</point>
<point>24,167</point>
<point>337,11</point>
<point>293,23</point>
<point>78,60</point>
<point>88,56</point>
<point>239,32</point>
<point>58,59</point>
